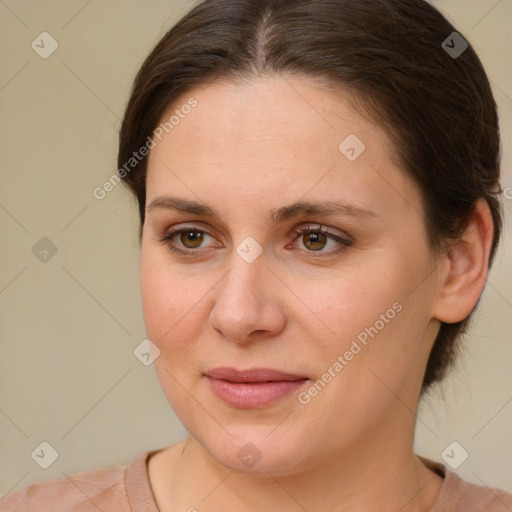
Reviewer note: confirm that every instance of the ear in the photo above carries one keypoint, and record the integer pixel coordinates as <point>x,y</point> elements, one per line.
<point>465,266</point>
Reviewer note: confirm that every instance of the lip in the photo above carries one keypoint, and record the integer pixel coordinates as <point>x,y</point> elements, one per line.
<point>253,388</point>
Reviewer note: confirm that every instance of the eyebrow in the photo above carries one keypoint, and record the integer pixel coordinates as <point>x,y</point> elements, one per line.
<point>297,209</point>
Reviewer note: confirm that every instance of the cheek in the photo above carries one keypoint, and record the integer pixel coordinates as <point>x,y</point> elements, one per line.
<point>354,301</point>
<point>173,318</point>
<point>157,299</point>
<point>378,319</point>
<point>166,299</point>
<point>176,306</point>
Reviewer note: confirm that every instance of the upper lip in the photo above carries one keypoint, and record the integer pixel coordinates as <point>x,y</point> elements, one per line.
<point>252,375</point>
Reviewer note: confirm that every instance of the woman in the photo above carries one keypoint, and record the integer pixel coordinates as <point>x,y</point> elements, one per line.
<point>317,184</point>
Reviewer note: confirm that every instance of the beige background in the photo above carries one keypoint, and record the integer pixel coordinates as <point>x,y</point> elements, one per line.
<point>69,326</point>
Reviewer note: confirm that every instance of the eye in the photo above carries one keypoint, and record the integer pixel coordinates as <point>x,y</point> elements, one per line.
<point>185,240</point>
<point>317,238</point>
<point>314,239</point>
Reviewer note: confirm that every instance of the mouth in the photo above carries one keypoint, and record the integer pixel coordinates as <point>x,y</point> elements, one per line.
<point>253,388</point>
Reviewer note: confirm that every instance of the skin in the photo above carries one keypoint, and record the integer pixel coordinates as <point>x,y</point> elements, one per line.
<point>246,149</point>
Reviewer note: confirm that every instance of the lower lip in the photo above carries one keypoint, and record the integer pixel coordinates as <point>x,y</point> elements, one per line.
<point>245,395</point>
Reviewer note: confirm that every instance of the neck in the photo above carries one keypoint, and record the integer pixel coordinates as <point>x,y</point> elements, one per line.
<point>378,473</point>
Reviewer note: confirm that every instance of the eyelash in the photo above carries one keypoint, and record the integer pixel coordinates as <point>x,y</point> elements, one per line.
<point>344,243</point>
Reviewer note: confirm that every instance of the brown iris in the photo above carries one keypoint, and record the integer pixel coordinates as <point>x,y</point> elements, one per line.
<point>316,241</point>
<point>191,239</point>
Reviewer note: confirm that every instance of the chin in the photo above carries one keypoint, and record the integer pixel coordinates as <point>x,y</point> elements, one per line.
<point>251,450</point>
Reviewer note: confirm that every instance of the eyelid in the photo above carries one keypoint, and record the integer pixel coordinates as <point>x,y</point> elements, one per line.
<point>317,227</point>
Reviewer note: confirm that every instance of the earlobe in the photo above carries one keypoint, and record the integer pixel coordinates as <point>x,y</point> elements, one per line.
<point>467,264</point>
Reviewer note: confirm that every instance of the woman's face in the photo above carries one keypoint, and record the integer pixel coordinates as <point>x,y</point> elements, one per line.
<point>280,349</point>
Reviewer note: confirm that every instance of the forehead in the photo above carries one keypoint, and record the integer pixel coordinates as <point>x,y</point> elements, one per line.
<point>277,109</point>
<point>272,138</point>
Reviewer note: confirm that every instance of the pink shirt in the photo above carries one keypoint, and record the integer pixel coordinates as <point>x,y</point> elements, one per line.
<point>127,489</point>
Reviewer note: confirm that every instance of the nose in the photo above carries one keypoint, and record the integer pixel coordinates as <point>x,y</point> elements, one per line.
<point>248,302</point>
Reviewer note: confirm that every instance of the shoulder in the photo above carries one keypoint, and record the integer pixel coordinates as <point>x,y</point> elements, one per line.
<point>459,495</point>
<point>477,498</point>
<point>86,491</point>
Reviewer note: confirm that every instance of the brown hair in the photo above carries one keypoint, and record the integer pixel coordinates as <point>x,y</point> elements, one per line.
<point>437,107</point>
